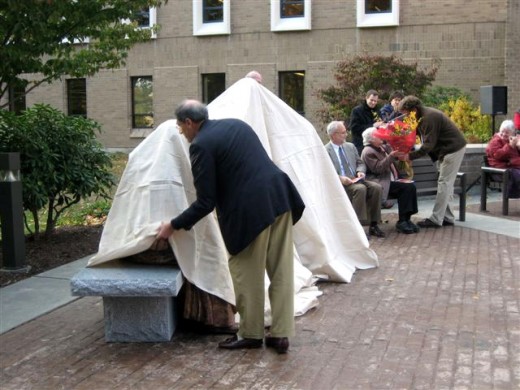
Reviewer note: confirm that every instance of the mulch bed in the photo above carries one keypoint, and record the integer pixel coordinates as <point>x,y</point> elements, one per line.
<point>65,245</point>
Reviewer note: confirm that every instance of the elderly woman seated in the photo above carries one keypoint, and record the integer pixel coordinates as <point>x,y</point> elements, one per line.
<point>380,160</point>
<point>503,151</point>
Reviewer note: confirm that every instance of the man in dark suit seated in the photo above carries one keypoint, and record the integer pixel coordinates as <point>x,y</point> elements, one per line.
<point>364,195</point>
<point>256,205</point>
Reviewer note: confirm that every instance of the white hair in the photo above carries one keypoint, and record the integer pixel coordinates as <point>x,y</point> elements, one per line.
<point>332,127</point>
<point>508,126</point>
<point>367,135</point>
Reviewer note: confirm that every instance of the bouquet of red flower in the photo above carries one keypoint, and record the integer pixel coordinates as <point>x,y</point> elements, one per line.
<point>400,135</point>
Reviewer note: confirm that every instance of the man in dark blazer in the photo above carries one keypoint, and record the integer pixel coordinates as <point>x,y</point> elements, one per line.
<point>364,195</point>
<point>256,205</point>
<point>364,116</point>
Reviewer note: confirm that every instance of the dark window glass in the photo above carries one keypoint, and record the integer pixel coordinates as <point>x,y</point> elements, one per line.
<point>77,97</point>
<point>291,86</point>
<point>292,8</point>
<point>213,11</point>
<point>142,102</point>
<point>143,18</point>
<point>17,102</point>
<point>213,84</point>
<point>378,6</point>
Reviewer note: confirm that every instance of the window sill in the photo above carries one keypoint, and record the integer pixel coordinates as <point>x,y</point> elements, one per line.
<point>141,133</point>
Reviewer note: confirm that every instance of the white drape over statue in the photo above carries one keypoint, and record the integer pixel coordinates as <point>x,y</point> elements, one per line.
<point>157,185</point>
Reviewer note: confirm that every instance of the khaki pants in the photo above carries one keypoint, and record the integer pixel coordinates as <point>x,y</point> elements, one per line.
<point>272,250</point>
<point>448,169</point>
<point>366,200</point>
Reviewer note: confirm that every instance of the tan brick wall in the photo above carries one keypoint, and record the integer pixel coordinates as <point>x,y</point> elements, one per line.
<point>53,94</point>
<point>512,67</point>
<point>471,38</point>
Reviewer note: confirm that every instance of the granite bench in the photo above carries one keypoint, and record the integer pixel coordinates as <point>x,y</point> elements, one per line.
<point>138,300</point>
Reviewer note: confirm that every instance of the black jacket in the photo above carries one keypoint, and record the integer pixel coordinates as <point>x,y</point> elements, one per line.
<point>361,118</point>
<point>232,172</point>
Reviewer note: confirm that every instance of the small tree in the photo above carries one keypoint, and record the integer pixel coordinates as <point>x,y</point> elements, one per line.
<point>61,160</point>
<point>49,38</point>
<point>359,74</point>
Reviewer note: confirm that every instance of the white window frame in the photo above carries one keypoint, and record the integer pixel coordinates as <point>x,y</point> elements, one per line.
<point>377,20</point>
<point>215,28</point>
<point>76,41</point>
<point>153,21</point>
<point>290,24</point>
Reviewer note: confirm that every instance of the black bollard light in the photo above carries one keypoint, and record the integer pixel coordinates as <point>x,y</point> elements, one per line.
<point>11,213</point>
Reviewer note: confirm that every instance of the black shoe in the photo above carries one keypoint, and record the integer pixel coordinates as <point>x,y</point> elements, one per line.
<point>428,223</point>
<point>375,231</point>
<point>413,226</point>
<point>235,343</point>
<point>447,223</point>
<point>219,330</point>
<point>404,227</point>
<point>280,344</point>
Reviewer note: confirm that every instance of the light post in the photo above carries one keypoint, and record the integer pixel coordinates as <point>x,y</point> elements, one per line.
<point>11,213</point>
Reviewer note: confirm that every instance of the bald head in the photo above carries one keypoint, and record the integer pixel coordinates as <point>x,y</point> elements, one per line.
<point>191,109</point>
<point>255,75</point>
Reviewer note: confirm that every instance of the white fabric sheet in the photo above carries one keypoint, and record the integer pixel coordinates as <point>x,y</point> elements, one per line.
<point>157,185</point>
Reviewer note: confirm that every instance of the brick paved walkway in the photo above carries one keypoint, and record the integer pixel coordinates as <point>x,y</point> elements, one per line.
<point>441,312</point>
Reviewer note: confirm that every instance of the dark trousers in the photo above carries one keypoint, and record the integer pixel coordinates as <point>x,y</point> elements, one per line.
<point>406,195</point>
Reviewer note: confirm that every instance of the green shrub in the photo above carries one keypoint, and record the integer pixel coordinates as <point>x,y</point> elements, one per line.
<point>475,126</point>
<point>61,160</point>
<point>438,95</point>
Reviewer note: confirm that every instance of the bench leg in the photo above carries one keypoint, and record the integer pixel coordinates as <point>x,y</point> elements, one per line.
<point>483,191</point>
<point>139,319</point>
<point>505,199</point>
<point>462,200</point>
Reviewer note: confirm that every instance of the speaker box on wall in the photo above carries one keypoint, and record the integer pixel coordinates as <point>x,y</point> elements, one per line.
<point>493,100</point>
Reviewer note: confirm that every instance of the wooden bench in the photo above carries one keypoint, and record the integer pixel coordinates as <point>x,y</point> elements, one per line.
<point>138,300</point>
<point>494,178</point>
<point>425,176</point>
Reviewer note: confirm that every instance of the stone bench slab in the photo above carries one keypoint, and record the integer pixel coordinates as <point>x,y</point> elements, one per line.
<point>138,300</point>
<point>125,279</point>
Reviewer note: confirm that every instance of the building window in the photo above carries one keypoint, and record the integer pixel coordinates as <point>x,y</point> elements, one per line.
<point>142,102</point>
<point>292,8</point>
<point>290,15</point>
<point>77,97</point>
<point>211,17</point>
<point>378,6</point>
<point>213,84</point>
<point>291,87</point>
<point>143,18</point>
<point>146,18</point>
<point>377,13</point>
<point>17,102</point>
<point>213,11</point>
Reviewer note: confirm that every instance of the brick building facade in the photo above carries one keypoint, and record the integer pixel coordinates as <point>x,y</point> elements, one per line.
<point>477,42</point>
